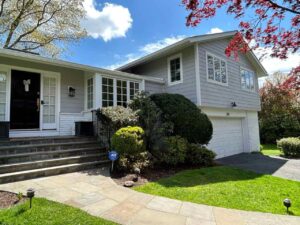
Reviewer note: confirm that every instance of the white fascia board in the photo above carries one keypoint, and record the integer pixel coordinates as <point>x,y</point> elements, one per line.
<point>55,62</point>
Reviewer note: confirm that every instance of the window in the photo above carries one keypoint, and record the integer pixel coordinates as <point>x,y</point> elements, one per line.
<point>122,93</point>
<point>175,69</point>
<point>118,92</point>
<point>2,96</point>
<point>107,92</point>
<point>247,80</point>
<point>49,94</point>
<point>216,69</point>
<point>90,93</point>
<point>134,89</point>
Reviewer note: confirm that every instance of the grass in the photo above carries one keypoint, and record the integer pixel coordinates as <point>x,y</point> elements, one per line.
<point>48,213</point>
<point>271,150</point>
<point>230,188</point>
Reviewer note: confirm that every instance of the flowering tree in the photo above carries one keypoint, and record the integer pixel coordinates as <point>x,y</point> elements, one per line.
<point>280,101</point>
<point>264,25</point>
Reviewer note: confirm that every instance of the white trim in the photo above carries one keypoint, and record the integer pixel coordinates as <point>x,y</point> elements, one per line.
<point>170,83</point>
<point>142,86</point>
<point>98,91</point>
<point>197,73</point>
<point>7,71</point>
<point>115,92</point>
<point>254,80</point>
<point>48,61</point>
<point>221,59</point>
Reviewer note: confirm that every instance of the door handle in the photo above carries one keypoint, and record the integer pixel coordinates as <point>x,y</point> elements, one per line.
<point>42,102</point>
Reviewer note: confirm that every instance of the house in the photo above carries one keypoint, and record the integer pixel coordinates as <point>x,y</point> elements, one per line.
<point>44,97</point>
<point>224,88</point>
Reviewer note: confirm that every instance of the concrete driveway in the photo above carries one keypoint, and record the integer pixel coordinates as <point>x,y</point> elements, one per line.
<point>276,166</point>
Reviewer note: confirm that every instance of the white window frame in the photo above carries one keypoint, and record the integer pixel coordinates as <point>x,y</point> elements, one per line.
<point>254,80</point>
<point>87,92</point>
<point>169,69</point>
<point>207,76</point>
<point>115,79</point>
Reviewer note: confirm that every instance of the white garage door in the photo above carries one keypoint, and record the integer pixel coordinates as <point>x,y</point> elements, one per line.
<point>227,137</point>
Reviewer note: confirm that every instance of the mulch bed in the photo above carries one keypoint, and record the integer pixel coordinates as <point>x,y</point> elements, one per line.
<point>148,175</point>
<point>8,199</point>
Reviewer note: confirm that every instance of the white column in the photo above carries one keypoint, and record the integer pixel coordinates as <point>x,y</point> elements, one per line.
<point>142,86</point>
<point>115,92</point>
<point>97,91</point>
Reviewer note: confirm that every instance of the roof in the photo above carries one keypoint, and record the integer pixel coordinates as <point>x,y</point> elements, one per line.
<point>61,63</point>
<point>191,41</point>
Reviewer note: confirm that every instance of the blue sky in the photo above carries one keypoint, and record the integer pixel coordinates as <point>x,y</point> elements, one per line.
<point>123,30</point>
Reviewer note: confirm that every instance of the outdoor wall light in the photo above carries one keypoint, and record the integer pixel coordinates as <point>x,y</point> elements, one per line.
<point>30,194</point>
<point>233,104</point>
<point>287,203</point>
<point>71,91</point>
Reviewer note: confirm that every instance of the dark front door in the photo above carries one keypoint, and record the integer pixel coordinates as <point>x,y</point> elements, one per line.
<point>25,95</point>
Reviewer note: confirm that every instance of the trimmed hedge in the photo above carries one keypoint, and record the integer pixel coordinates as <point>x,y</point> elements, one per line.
<point>188,120</point>
<point>199,156</point>
<point>171,151</point>
<point>290,146</point>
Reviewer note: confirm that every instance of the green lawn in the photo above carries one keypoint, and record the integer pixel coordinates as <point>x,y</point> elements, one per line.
<point>46,212</point>
<point>230,188</point>
<point>271,150</point>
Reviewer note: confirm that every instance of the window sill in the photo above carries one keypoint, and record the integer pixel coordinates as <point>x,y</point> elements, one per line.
<point>174,83</point>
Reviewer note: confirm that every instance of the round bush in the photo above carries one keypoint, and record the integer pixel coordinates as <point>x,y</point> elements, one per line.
<point>171,151</point>
<point>290,146</point>
<point>188,120</point>
<point>199,155</point>
<point>128,141</point>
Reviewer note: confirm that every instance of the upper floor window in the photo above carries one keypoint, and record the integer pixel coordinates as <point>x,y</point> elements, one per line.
<point>134,88</point>
<point>175,69</point>
<point>247,79</point>
<point>2,96</point>
<point>107,92</point>
<point>90,93</point>
<point>216,69</point>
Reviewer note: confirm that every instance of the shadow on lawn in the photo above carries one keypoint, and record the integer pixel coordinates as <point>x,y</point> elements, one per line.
<point>254,162</point>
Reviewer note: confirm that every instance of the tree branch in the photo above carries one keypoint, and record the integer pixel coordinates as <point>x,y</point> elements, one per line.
<point>283,7</point>
<point>2,7</point>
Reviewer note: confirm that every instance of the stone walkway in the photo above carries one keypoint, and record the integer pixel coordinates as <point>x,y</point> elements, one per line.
<point>93,191</point>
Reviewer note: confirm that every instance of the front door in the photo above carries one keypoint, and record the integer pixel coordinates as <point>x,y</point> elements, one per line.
<point>25,100</point>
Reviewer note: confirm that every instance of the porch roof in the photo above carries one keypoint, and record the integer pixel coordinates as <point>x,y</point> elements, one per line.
<point>55,62</point>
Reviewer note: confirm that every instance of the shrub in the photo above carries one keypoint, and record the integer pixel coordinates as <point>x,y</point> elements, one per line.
<point>188,120</point>
<point>171,151</point>
<point>128,142</point>
<point>113,118</point>
<point>290,146</point>
<point>149,118</point>
<point>199,155</point>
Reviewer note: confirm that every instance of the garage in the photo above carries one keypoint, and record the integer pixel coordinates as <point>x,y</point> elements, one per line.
<point>227,136</point>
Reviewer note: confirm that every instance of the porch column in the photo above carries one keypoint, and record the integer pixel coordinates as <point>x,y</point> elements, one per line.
<point>98,91</point>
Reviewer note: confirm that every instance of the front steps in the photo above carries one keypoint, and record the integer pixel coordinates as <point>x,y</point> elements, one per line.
<point>22,159</point>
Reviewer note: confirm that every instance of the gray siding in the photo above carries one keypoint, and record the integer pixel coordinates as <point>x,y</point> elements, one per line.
<point>159,68</point>
<point>215,95</point>
<point>69,77</point>
<point>153,88</point>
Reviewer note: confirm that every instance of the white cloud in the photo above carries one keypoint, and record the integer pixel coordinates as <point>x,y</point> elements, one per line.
<point>215,30</point>
<point>113,21</point>
<point>275,64</point>
<point>152,47</point>
<point>147,49</point>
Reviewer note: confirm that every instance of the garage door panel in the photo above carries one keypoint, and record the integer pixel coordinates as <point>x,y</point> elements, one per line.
<point>227,136</point>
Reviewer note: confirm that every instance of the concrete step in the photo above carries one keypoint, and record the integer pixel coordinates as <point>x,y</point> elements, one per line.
<point>18,149</point>
<point>49,171</point>
<point>43,155</point>
<point>15,167</point>
<point>44,140</point>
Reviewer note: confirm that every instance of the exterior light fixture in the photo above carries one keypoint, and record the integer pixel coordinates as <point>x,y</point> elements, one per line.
<point>30,194</point>
<point>71,91</point>
<point>287,203</point>
<point>233,104</point>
